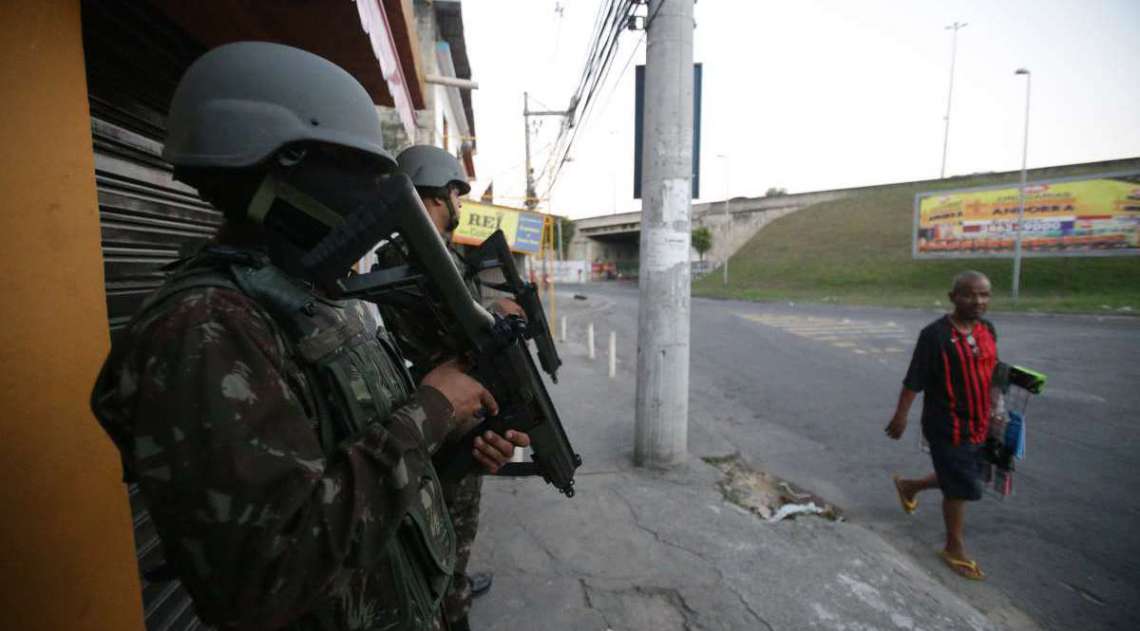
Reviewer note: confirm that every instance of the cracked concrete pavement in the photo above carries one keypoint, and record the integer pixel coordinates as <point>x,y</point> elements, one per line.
<point>637,549</point>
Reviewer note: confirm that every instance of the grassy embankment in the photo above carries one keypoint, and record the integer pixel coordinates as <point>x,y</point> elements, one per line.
<point>858,251</point>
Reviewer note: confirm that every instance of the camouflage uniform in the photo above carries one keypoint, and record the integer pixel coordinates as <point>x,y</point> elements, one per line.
<point>285,459</point>
<point>462,498</point>
<point>424,345</point>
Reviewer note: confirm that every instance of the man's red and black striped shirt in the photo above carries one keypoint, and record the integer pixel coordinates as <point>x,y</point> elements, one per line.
<point>954,371</point>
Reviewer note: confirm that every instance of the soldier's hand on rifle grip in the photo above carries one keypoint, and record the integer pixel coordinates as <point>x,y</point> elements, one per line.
<point>469,400</point>
<point>492,451</point>
<point>507,307</point>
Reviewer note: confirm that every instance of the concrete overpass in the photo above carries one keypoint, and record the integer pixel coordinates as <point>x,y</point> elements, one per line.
<point>617,237</point>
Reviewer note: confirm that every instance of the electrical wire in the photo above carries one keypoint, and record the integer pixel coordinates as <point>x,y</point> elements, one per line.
<point>593,78</point>
<point>597,70</point>
<point>601,27</point>
<point>502,173</point>
<point>624,69</point>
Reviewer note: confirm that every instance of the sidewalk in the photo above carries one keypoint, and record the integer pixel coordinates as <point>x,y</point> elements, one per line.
<point>639,550</point>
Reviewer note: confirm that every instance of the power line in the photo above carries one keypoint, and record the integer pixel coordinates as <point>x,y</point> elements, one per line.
<point>601,26</point>
<point>587,107</point>
<point>624,68</point>
<point>602,18</point>
<point>599,64</point>
<point>502,173</point>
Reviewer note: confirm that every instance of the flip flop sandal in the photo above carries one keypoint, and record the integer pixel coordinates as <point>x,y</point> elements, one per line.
<point>965,569</point>
<point>908,506</point>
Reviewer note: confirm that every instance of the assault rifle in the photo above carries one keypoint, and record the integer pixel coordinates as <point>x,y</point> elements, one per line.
<point>494,253</point>
<point>495,346</point>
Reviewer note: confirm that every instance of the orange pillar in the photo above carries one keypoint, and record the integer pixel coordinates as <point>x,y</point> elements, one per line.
<point>66,546</point>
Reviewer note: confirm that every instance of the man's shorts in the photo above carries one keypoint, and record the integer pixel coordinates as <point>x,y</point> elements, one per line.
<point>959,470</point>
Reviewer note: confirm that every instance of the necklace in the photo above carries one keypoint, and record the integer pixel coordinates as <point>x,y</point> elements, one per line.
<point>968,335</point>
<point>960,327</point>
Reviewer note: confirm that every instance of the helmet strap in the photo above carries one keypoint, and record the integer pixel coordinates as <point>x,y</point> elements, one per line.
<point>452,215</point>
<point>274,188</point>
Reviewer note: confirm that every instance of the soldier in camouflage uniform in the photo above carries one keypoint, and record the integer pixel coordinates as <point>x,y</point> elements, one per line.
<point>281,447</point>
<point>440,181</point>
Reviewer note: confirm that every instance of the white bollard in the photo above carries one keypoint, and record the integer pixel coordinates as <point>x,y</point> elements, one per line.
<point>613,354</point>
<point>590,339</point>
<point>562,338</point>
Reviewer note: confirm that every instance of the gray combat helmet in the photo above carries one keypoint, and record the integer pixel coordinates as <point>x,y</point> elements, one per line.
<point>432,167</point>
<point>239,103</point>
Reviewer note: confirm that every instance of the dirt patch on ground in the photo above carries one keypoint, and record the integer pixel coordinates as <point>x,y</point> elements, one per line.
<point>765,495</point>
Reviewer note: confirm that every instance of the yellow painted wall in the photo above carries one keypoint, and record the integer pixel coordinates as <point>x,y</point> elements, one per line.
<point>66,549</point>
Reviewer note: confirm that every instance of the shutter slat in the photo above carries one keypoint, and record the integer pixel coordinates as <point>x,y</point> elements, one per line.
<point>134,58</point>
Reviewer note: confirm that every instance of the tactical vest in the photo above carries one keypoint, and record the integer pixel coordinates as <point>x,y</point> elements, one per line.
<point>352,374</point>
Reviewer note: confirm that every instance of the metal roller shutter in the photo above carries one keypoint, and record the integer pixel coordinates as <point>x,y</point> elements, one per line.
<point>134,59</point>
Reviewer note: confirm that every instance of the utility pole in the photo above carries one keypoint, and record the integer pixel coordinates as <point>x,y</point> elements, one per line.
<point>956,26</point>
<point>558,223</point>
<point>531,195</point>
<point>548,228</point>
<point>531,198</point>
<point>662,406</point>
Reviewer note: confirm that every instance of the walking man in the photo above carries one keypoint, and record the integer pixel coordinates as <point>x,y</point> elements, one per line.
<point>952,366</point>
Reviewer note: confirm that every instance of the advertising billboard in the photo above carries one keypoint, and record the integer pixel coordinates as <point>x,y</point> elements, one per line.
<point>478,220</point>
<point>1093,215</point>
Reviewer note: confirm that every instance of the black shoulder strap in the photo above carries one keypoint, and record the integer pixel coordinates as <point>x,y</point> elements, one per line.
<point>289,307</point>
<point>289,304</point>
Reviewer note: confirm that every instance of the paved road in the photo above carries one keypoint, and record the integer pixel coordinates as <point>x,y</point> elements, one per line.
<point>805,391</point>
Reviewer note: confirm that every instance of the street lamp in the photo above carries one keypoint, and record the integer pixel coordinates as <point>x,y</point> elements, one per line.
<point>1021,194</point>
<point>727,215</point>
<point>956,26</point>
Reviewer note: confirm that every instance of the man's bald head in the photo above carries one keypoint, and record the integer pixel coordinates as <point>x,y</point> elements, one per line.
<point>970,295</point>
<point>966,279</point>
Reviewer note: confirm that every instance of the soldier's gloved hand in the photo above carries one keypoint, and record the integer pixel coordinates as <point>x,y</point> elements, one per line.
<point>507,307</point>
<point>493,451</point>
<point>468,398</point>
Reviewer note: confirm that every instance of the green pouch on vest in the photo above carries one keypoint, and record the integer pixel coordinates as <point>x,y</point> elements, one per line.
<point>363,380</point>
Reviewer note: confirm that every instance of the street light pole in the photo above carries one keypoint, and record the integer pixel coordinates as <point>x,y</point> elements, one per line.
<point>727,216</point>
<point>956,26</point>
<point>1021,193</point>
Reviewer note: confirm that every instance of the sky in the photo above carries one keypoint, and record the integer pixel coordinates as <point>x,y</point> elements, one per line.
<point>815,94</point>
